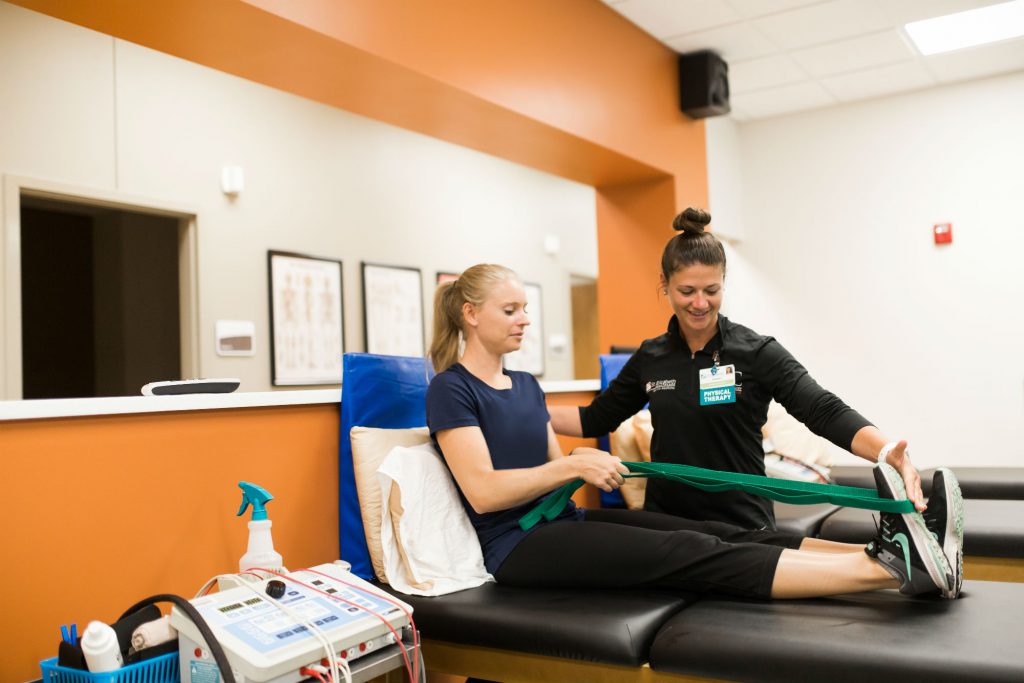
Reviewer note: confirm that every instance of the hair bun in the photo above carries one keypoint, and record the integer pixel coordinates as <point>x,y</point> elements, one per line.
<point>691,220</point>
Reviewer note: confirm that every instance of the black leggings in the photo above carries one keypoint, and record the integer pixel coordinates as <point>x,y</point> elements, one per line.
<point>635,548</point>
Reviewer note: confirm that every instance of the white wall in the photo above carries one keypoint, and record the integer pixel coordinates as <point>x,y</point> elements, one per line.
<point>837,261</point>
<point>83,108</point>
<point>725,177</point>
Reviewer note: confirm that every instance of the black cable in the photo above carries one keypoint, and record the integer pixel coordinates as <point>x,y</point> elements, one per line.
<point>211,641</point>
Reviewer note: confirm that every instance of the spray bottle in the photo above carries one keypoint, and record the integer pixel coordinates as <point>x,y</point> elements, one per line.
<point>260,552</point>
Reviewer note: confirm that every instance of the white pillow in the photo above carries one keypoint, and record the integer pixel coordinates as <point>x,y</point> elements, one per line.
<point>429,544</point>
<point>369,448</point>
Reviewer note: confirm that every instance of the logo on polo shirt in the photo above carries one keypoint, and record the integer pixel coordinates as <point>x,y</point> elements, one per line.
<point>660,385</point>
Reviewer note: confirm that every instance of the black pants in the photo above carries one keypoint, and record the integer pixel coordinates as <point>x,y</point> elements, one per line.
<point>635,548</point>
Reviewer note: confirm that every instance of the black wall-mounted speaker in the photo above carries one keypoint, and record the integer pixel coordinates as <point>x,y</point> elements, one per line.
<point>703,84</point>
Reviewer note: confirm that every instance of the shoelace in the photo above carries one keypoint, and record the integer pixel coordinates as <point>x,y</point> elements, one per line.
<point>874,545</point>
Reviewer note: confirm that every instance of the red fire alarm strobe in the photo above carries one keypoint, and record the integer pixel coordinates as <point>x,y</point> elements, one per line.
<point>943,233</point>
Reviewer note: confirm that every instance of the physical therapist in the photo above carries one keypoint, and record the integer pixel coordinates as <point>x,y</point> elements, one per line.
<point>709,382</point>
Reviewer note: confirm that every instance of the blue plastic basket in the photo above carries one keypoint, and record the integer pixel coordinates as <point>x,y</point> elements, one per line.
<point>162,669</point>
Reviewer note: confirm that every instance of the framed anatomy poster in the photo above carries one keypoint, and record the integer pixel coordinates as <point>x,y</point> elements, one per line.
<point>393,310</point>
<point>530,356</point>
<point>307,334</point>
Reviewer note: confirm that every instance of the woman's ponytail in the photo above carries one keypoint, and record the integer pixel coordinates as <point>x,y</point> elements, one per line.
<point>444,347</point>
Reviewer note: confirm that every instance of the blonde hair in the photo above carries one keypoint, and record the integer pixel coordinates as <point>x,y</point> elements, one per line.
<point>472,287</point>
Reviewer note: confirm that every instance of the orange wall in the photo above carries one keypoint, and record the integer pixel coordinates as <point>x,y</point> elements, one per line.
<point>566,87</point>
<point>634,225</point>
<point>104,511</point>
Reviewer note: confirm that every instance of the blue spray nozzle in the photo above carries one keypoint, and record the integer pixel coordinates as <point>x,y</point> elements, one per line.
<point>257,496</point>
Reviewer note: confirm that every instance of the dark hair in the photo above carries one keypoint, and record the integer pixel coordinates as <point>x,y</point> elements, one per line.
<point>692,245</point>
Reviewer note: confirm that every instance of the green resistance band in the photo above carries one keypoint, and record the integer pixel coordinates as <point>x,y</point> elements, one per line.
<point>782,490</point>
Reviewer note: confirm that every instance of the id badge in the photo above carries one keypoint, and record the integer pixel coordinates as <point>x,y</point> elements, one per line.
<point>718,385</point>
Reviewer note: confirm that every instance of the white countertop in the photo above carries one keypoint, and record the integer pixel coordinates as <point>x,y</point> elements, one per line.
<point>127,405</point>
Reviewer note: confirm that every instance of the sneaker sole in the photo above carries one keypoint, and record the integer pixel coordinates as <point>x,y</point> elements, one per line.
<point>953,543</point>
<point>928,548</point>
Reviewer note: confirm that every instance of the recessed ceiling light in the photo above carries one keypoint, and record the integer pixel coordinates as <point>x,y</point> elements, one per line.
<point>967,29</point>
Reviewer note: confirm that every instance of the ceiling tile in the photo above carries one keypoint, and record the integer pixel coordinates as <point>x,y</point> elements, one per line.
<point>823,23</point>
<point>884,80</point>
<point>669,18</point>
<point>734,42</point>
<point>978,62</point>
<point>789,55</point>
<point>767,72</point>
<point>758,8</point>
<point>887,47</point>
<point>787,98</point>
<point>901,12</point>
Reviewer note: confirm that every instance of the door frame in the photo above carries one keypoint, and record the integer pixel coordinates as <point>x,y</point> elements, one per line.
<point>14,188</point>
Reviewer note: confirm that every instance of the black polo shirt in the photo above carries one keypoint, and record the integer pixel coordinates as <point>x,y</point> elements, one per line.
<point>725,436</point>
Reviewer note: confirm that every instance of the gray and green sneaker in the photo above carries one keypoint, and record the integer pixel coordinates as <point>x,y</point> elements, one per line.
<point>945,520</point>
<point>905,546</point>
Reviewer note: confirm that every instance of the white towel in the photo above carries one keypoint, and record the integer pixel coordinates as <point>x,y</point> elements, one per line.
<point>435,550</point>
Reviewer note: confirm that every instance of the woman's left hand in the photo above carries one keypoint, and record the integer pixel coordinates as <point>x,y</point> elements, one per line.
<point>900,460</point>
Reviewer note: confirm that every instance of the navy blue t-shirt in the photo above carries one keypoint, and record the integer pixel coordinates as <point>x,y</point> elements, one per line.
<point>515,426</point>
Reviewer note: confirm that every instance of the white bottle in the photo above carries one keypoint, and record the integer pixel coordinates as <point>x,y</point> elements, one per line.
<point>260,552</point>
<point>100,647</point>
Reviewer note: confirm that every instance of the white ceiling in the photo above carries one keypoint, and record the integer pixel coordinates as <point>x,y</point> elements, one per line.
<point>790,55</point>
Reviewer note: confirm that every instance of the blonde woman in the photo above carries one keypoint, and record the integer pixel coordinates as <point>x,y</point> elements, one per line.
<point>493,429</point>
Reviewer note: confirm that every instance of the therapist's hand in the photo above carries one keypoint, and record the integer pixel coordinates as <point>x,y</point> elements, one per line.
<point>598,468</point>
<point>900,460</point>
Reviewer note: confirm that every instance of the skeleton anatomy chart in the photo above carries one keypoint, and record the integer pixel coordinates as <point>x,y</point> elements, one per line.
<point>393,309</point>
<point>307,332</point>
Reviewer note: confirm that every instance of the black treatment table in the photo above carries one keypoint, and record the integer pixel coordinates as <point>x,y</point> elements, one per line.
<point>511,634</point>
<point>879,636</point>
<point>556,636</point>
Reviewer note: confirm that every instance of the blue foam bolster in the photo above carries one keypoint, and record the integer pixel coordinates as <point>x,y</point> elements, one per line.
<point>386,392</point>
<point>611,366</point>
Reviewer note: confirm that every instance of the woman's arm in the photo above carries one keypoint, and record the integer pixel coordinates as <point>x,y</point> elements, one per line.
<point>621,400</point>
<point>490,490</point>
<point>566,420</point>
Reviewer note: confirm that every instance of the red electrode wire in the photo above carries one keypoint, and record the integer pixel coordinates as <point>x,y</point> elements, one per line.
<point>312,674</point>
<point>412,670</point>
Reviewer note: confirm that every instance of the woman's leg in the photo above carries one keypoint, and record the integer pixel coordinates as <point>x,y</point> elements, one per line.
<point>722,530</point>
<point>802,574</point>
<point>598,554</point>
<point>592,554</point>
<point>818,545</point>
